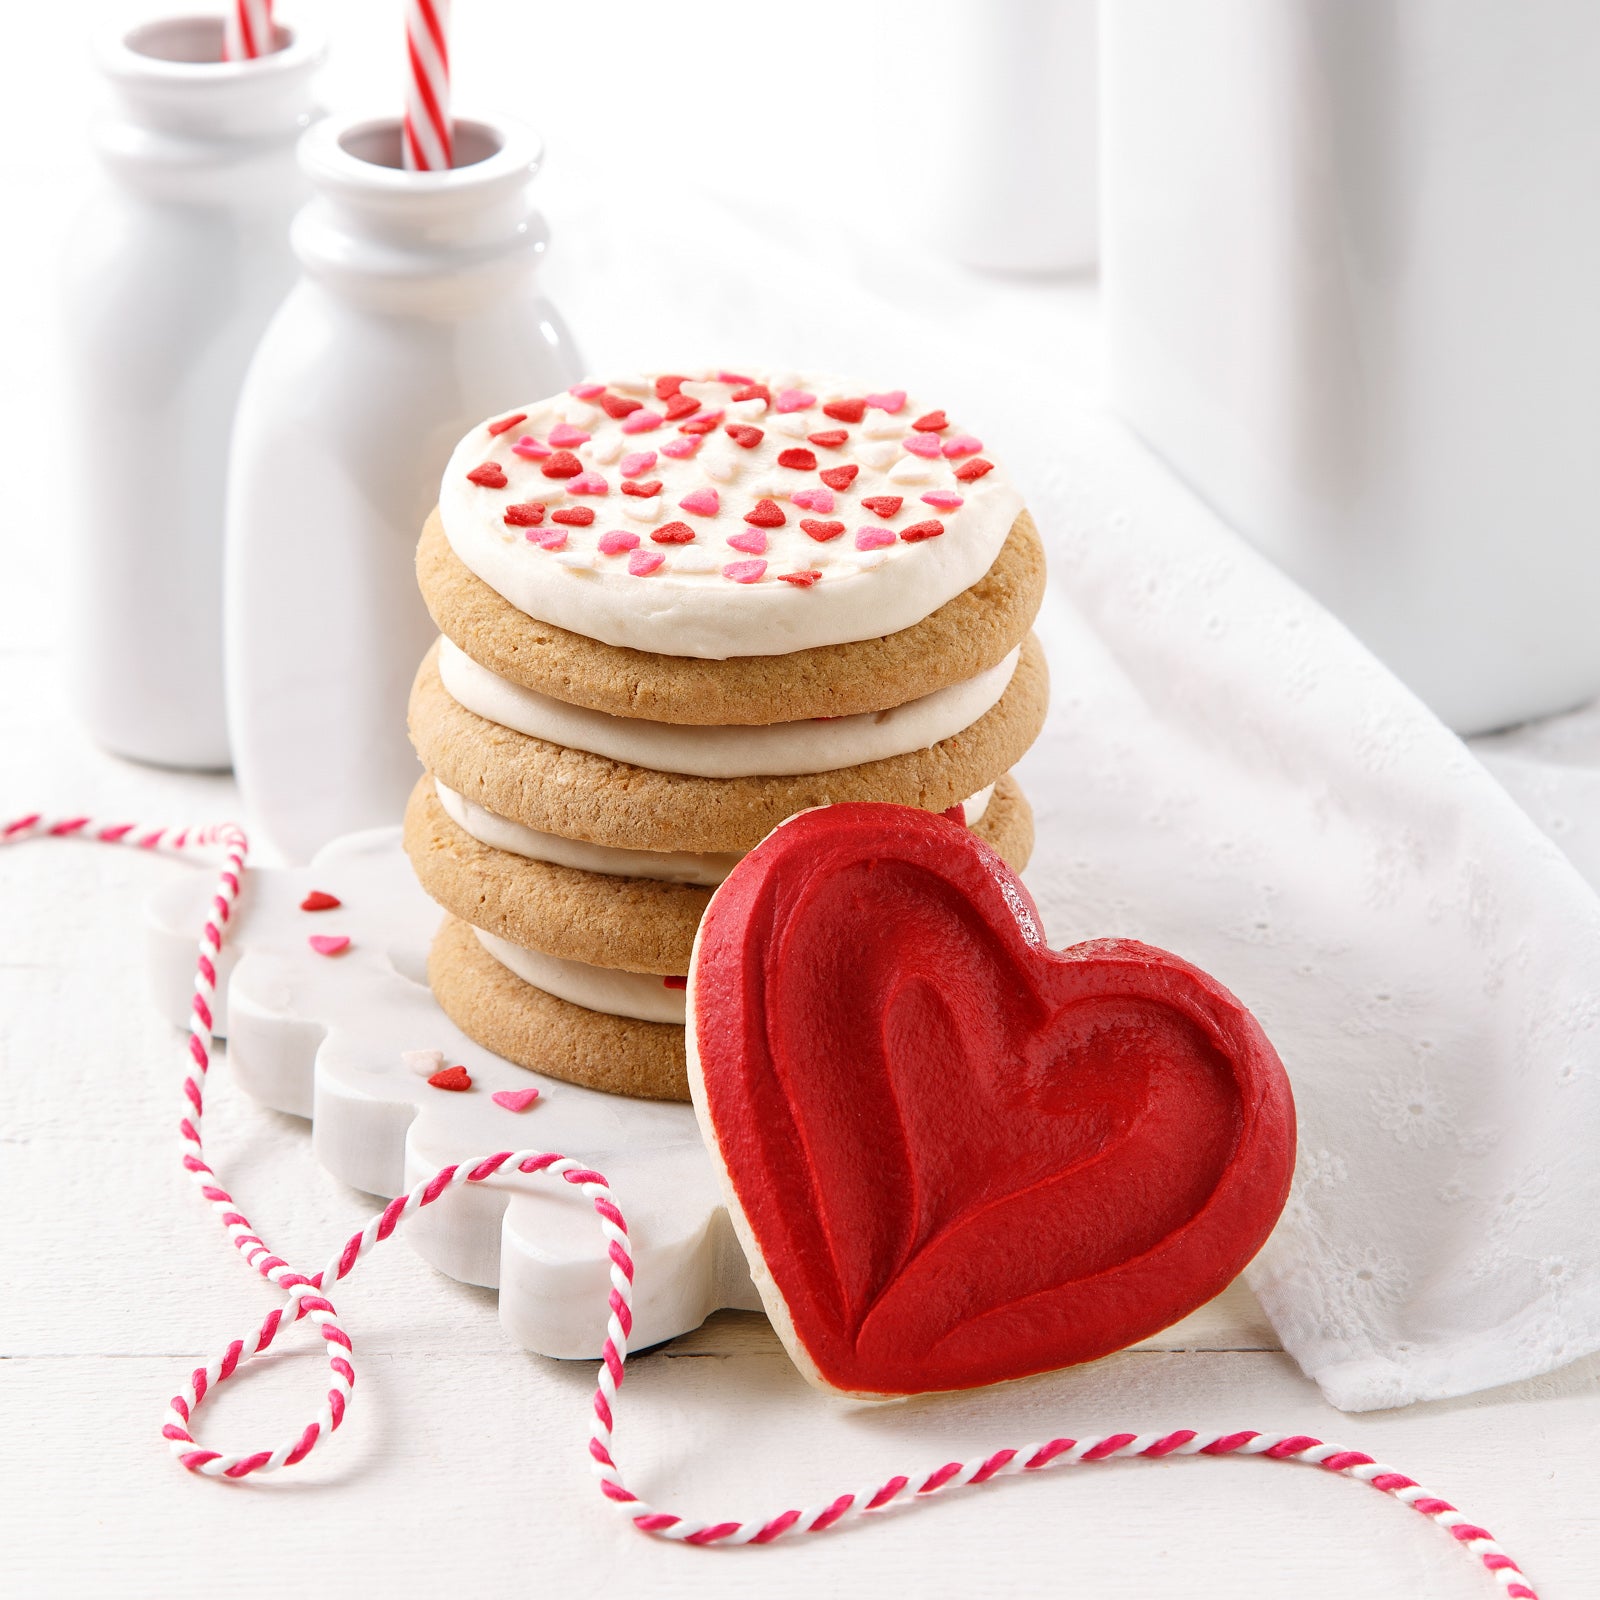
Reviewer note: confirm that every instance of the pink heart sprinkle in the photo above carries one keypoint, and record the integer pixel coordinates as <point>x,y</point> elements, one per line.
<point>922,444</point>
<point>643,562</point>
<point>564,436</point>
<point>529,448</point>
<point>891,400</point>
<point>873,538</point>
<point>587,390</point>
<point>642,421</point>
<point>515,1099</point>
<point>794,400</point>
<point>547,538</point>
<point>678,448</point>
<point>638,463</point>
<point>813,499</point>
<point>613,544</point>
<point>593,483</point>
<point>962,445</point>
<point>737,378</point>
<point>329,944</point>
<point>744,571</point>
<point>703,502</point>
<point>945,499</point>
<point>753,543</point>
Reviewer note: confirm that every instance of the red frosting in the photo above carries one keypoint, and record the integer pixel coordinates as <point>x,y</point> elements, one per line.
<point>961,1156</point>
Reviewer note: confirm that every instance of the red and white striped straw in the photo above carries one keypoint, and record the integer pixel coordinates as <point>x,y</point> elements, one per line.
<point>426,139</point>
<point>247,30</point>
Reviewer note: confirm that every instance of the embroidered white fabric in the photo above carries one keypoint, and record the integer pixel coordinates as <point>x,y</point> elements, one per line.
<point>1228,773</point>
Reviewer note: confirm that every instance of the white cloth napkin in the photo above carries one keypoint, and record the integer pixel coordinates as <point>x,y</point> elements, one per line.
<point>1228,773</point>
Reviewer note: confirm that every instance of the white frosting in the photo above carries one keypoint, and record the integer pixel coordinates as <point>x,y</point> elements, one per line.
<point>677,866</point>
<point>765,750</point>
<point>643,995</point>
<point>686,604</point>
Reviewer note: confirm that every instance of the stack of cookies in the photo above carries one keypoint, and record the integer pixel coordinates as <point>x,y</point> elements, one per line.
<point>677,609</point>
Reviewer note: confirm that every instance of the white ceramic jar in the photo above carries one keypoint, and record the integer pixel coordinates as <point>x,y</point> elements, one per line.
<point>1350,261</point>
<point>173,271</point>
<point>417,315</point>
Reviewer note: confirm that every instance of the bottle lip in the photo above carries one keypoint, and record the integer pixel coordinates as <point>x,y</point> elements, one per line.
<point>185,51</point>
<point>357,157</point>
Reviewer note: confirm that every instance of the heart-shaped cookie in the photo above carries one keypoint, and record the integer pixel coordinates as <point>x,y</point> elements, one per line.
<point>953,1155</point>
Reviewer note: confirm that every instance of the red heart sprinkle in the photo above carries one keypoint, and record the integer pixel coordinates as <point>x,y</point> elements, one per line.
<point>491,475</point>
<point>318,901</point>
<point>642,491</point>
<point>934,422</point>
<point>801,580</point>
<point>918,531</point>
<point>845,410</point>
<point>453,1078</point>
<point>885,505</point>
<point>529,515</point>
<point>700,424</point>
<point>508,422</point>
<point>681,405</point>
<point>831,440</point>
<point>668,384</point>
<point>675,983</point>
<point>746,438</point>
<point>563,464</point>
<point>574,516</point>
<point>840,477</point>
<point>754,391</point>
<point>767,514</point>
<point>800,460</point>
<point>971,470</point>
<point>617,405</point>
<point>822,532</point>
<point>329,944</point>
<point>673,533</point>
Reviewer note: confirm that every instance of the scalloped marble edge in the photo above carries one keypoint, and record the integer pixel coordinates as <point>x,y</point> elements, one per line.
<point>322,1037</point>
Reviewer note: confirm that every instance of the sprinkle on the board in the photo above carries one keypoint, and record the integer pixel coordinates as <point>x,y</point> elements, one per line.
<point>799,460</point>
<point>926,445</point>
<point>845,410</point>
<point>505,424</point>
<point>743,435</point>
<point>744,571</point>
<point>574,516</point>
<point>681,406</point>
<point>933,422</point>
<point>704,502</point>
<point>801,580</point>
<point>642,491</point>
<point>491,475</point>
<point>515,1099</point>
<point>589,483</point>
<point>423,1062</point>
<point>794,400</point>
<point>754,391</point>
<point>318,900</point>
<point>734,378</point>
<point>529,448</point>
<point>642,422</point>
<point>527,515</point>
<point>586,390</point>
<point>874,538</point>
<point>329,944</point>
<point>884,505</point>
<point>753,541</point>
<point>971,471</point>
<point>565,437</point>
<point>964,444</point>
<point>637,463</point>
<point>944,499</point>
<point>668,384</point>
<point>840,477</point>
<point>675,983</point>
<point>704,423</point>
<point>563,464</point>
<point>455,1079</point>
<point>673,533</point>
<point>813,499</point>
<point>829,439</point>
<point>891,400</point>
<point>547,538</point>
<point>766,514</point>
<point>918,531</point>
<point>617,542</point>
<point>643,562</point>
<point>679,448</point>
<point>619,406</point>
<point>822,532</point>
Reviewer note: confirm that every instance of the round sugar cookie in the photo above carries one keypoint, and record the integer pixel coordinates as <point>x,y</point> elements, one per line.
<point>582,796</point>
<point>635,923</point>
<point>965,636</point>
<point>497,1009</point>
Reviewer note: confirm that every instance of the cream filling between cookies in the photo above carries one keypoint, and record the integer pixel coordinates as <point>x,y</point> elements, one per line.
<point>644,996</point>
<point>666,866</point>
<point>778,749</point>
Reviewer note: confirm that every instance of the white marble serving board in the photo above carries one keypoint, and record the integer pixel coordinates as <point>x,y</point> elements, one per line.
<point>323,1037</point>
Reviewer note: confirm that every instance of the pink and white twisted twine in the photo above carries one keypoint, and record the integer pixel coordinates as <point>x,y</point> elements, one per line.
<point>247,30</point>
<point>426,134</point>
<point>307,1297</point>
